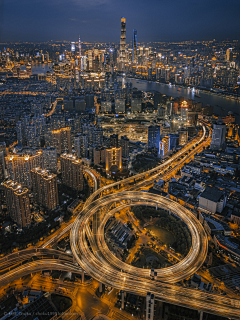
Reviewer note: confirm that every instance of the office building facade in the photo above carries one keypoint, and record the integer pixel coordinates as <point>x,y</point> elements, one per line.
<point>153,137</point>
<point>218,136</point>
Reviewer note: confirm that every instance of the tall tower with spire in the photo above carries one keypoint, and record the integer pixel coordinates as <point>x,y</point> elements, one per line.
<point>80,53</point>
<point>79,47</point>
<point>123,40</point>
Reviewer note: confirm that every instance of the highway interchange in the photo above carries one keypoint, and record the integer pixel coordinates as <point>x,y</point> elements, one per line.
<point>92,254</point>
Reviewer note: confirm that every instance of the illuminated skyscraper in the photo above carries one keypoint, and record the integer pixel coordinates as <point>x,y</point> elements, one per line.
<point>184,111</point>
<point>124,143</point>
<point>113,159</point>
<point>218,135</point>
<point>123,40</point>
<point>18,205</point>
<point>3,153</point>
<point>153,137</point>
<point>183,137</point>
<point>164,147</point>
<point>81,145</point>
<point>62,140</point>
<point>44,185</point>
<point>73,46</point>
<point>19,166</point>
<point>50,159</point>
<point>79,47</point>
<point>72,171</point>
<point>134,49</point>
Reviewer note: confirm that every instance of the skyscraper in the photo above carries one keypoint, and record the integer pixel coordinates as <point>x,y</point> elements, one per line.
<point>44,185</point>
<point>134,49</point>
<point>183,137</point>
<point>113,159</point>
<point>18,204</point>
<point>123,40</point>
<point>79,47</point>
<point>153,137</point>
<point>50,159</point>
<point>72,171</point>
<point>218,135</point>
<point>3,153</point>
<point>81,145</point>
<point>73,47</point>
<point>164,147</point>
<point>114,140</point>
<point>62,140</point>
<point>124,144</point>
<point>19,166</point>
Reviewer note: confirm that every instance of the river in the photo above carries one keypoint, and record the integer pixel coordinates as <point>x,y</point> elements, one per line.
<point>221,104</point>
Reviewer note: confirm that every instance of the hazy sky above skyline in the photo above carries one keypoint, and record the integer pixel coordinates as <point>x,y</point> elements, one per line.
<point>99,20</point>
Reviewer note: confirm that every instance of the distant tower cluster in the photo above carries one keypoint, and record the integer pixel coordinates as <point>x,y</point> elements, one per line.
<point>123,40</point>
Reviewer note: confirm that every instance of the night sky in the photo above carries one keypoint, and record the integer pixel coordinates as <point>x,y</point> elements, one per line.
<point>99,20</point>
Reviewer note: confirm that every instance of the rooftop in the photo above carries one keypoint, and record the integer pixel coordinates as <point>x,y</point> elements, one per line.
<point>212,194</point>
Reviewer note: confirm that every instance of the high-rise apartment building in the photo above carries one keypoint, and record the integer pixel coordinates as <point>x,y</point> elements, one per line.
<point>62,140</point>
<point>19,166</point>
<point>81,145</point>
<point>120,105</point>
<point>72,171</point>
<point>136,105</point>
<point>80,105</point>
<point>123,40</point>
<point>114,140</point>
<point>99,155</point>
<point>94,135</point>
<point>134,49</point>
<point>153,137</point>
<point>164,147</point>
<point>124,144</point>
<point>113,159</point>
<point>183,137</point>
<point>218,136</point>
<point>3,153</point>
<point>44,185</point>
<point>18,204</point>
<point>50,159</point>
<point>106,107</point>
<point>32,138</point>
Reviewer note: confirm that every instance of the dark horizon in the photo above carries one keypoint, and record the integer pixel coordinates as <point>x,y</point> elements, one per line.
<point>99,20</point>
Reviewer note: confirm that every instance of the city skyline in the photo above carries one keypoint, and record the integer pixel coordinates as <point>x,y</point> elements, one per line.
<point>98,20</point>
<point>119,160</point>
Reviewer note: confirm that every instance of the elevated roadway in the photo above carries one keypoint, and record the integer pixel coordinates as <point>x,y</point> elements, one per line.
<point>101,264</point>
<point>98,261</point>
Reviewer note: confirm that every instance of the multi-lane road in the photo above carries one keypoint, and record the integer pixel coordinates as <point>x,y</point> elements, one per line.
<point>98,261</point>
